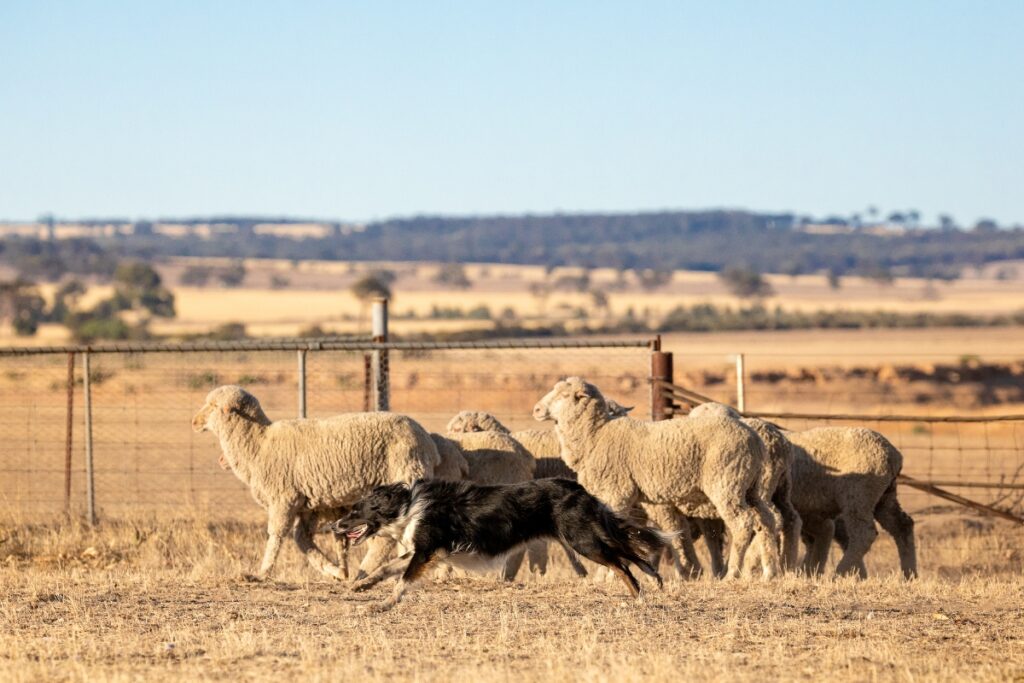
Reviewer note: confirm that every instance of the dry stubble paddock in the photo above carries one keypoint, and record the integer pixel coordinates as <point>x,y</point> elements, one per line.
<point>163,599</point>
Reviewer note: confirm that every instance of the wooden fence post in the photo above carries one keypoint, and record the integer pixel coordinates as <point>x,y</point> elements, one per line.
<point>69,433</point>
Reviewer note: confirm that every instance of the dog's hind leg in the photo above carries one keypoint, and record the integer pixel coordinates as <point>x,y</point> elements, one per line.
<point>395,566</point>
<point>623,573</point>
<point>574,559</point>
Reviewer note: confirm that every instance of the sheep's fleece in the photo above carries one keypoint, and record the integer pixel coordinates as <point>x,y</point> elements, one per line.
<point>295,468</point>
<point>684,463</point>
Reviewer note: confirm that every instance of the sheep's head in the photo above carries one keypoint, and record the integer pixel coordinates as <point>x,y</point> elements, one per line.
<point>475,421</point>
<point>571,398</point>
<point>714,410</point>
<point>224,403</point>
<point>616,409</point>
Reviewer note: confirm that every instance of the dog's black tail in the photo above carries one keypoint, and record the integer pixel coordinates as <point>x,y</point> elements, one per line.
<point>634,541</point>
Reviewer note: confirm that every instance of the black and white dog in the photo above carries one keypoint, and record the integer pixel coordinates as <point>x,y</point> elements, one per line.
<point>476,527</point>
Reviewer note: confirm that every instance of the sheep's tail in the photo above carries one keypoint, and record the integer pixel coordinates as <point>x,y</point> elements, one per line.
<point>635,542</point>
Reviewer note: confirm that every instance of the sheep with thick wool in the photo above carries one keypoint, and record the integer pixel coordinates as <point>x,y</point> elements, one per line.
<point>848,475</point>
<point>776,482</point>
<point>844,475</point>
<point>692,465</point>
<point>296,469</point>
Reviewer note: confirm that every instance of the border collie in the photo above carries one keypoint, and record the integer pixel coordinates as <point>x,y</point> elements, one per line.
<point>475,527</point>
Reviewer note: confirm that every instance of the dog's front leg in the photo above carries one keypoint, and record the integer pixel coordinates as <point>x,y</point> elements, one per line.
<point>395,566</point>
<point>417,564</point>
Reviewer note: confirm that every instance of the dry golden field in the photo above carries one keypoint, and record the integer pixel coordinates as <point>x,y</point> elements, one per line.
<point>155,592</point>
<point>317,293</point>
<point>163,599</point>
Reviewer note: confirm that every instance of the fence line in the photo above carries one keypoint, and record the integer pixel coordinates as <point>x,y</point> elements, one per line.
<point>671,392</point>
<point>328,344</point>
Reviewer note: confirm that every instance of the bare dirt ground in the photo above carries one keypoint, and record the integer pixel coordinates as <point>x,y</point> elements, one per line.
<point>163,600</point>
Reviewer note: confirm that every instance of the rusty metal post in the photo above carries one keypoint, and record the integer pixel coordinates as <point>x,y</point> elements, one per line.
<point>380,356</point>
<point>68,438</point>
<point>367,381</point>
<point>661,371</point>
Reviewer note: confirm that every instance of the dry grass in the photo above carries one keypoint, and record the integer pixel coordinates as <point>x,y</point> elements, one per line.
<point>162,600</point>
<point>318,293</point>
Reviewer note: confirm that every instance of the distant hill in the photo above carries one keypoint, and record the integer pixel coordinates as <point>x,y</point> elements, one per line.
<point>698,240</point>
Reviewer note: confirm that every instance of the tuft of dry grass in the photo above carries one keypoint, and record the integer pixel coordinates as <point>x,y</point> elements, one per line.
<point>162,599</point>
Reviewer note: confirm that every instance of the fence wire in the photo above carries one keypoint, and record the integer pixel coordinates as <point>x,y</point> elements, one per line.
<point>959,422</point>
<point>148,459</point>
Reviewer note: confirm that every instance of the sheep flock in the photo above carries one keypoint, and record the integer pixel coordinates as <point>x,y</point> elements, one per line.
<point>752,491</point>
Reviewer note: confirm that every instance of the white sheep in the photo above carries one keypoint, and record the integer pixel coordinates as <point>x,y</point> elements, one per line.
<point>694,465</point>
<point>775,483</point>
<point>848,475</point>
<point>296,469</point>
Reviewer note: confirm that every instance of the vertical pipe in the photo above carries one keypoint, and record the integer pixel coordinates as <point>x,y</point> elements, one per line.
<point>90,488</point>
<point>741,394</point>
<point>68,438</point>
<point>367,381</point>
<point>380,356</point>
<point>661,371</point>
<point>302,383</point>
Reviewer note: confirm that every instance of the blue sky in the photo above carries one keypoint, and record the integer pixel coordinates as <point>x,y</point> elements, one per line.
<point>362,110</point>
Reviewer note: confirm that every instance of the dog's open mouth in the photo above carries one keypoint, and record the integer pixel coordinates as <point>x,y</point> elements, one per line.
<point>356,533</point>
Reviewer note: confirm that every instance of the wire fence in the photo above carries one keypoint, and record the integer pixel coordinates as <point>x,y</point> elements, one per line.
<point>959,422</point>
<point>142,398</point>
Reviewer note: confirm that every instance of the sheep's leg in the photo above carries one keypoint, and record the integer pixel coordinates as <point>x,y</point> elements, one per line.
<point>387,570</point>
<point>378,549</point>
<point>317,560</point>
<point>537,553</point>
<point>900,526</point>
<point>341,544</point>
<point>279,518</point>
<point>681,550</point>
<point>843,540</point>
<point>512,564</point>
<point>790,526</point>
<point>861,533</point>
<point>713,531</point>
<point>742,521</point>
<point>768,534</point>
<point>818,533</point>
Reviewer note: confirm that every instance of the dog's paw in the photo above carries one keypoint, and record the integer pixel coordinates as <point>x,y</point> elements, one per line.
<point>362,586</point>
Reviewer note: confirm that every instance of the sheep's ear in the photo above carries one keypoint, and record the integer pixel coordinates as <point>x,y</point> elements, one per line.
<point>226,409</point>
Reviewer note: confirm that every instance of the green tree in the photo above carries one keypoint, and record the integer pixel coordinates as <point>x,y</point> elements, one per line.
<point>195,276</point>
<point>22,306</point>
<point>745,282</point>
<point>233,275</point>
<point>453,275</point>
